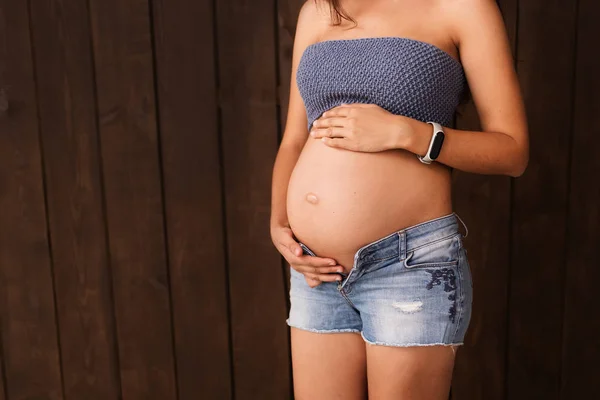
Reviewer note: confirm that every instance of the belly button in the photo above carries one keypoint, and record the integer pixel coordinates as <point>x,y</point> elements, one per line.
<point>312,198</point>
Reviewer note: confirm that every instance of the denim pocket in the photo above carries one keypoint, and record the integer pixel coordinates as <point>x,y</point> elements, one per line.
<point>442,252</point>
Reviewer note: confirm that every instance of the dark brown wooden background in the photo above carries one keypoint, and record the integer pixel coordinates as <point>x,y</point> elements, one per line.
<point>137,140</point>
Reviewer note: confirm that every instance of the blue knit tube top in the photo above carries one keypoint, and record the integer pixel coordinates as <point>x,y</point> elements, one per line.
<point>404,76</point>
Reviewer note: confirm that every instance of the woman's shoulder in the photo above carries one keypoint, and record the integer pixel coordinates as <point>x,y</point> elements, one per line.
<point>313,20</point>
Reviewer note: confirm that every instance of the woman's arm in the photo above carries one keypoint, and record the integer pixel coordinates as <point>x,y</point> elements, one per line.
<point>284,164</point>
<point>503,145</point>
<point>482,152</point>
<point>315,269</point>
<point>295,133</point>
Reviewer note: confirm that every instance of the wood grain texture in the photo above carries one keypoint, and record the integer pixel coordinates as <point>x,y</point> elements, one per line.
<point>2,378</point>
<point>123,56</point>
<point>483,202</point>
<point>137,140</point>
<point>3,110</point>
<point>546,48</point>
<point>3,394</point>
<point>287,18</point>
<point>189,131</point>
<point>248,92</point>
<point>27,311</point>
<point>67,111</point>
<point>581,326</point>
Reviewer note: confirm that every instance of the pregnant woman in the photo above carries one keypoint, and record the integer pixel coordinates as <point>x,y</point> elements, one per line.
<point>381,289</point>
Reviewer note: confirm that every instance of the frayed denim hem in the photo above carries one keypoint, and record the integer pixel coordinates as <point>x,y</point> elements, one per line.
<point>323,330</point>
<point>408,344</point>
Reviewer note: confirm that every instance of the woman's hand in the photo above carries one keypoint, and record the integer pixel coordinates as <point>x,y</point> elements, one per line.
<point>360,127</point>
<point>315,269</point>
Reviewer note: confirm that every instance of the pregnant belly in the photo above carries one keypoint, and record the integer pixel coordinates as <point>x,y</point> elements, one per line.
<point>339,200</point>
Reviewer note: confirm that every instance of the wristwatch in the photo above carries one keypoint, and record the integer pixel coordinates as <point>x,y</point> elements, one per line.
<point>435,145</point>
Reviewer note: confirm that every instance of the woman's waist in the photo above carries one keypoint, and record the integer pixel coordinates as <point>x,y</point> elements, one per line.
<point>398,242</point>
<point>338,228</point>
<point>341,236</point>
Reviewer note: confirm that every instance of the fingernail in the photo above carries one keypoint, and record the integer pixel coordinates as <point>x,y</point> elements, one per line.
<point>331,262</point>
<point>339,278</point>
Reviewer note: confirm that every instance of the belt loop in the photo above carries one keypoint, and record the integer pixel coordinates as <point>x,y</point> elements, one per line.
<point>402,244</point>
<point>465,225</point>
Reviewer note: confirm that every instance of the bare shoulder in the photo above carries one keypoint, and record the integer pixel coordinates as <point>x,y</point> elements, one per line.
<point>313,20</point>
<point>466,5</point>
<point>469,17</point>
<point>480,34</point>
<point>315,9</point>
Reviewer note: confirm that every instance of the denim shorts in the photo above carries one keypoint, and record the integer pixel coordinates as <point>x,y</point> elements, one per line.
<point>412,287</point>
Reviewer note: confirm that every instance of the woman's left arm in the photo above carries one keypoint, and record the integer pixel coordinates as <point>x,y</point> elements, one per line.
<point>503,145</point>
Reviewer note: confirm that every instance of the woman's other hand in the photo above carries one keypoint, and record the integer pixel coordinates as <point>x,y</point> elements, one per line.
<point>359,127</point>
<point>315,269</point>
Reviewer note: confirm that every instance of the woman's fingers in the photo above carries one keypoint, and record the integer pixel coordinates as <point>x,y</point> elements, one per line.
<point>291,246</point>
<point>323,274</point>
<point>308,269</point>
<point>293,253</point>
<point>315,269</point>
<point>283,238</point>
<point>312,283</point>
<point>317,265</point>
<point>323,277</point>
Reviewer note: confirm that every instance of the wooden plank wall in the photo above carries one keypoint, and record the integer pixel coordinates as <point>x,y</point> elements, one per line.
<point>137,140</point>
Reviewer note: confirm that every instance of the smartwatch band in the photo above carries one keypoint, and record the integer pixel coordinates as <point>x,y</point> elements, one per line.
<point>435,145</point>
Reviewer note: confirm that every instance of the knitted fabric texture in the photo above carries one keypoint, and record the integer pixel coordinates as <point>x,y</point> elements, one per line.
<point>404,76</point>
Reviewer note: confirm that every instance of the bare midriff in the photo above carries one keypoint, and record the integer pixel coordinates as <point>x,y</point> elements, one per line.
<point>340,200</point>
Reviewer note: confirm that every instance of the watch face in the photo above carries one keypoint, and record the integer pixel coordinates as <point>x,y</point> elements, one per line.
<point>437,145</point>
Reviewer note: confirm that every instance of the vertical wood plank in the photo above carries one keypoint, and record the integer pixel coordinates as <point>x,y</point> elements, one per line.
<point>185,55</point>
<point>248,95</point>
<point>581,347</point>
<point>2,374</point>
<point>546,50</point>
<point>132,180</point>
<point>3,115</point>
<point>67,110</point>
<point>28,331</point>
<point>483,202</point>
<point>287,18</point>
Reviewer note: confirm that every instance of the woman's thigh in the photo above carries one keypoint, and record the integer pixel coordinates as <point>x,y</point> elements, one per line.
<point>414,297</point>
<point>328,366</point>
<point>409,373</point>
<point>328,352</point>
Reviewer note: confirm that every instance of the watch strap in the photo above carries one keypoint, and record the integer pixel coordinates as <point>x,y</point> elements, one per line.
<point>426,159</point>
